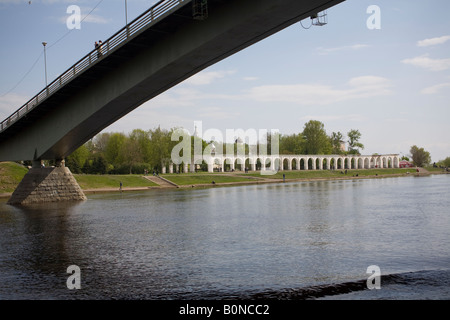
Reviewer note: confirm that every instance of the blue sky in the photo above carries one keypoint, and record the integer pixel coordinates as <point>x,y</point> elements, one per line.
<point>392,84</point>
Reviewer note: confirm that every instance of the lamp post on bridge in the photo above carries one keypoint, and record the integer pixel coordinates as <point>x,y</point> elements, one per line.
<point>45,63</point>
<point>126,13</point>
<point>126,16</point>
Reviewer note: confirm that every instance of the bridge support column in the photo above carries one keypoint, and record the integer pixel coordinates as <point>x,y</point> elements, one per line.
<point>37,164</point>
<point>41,185</point>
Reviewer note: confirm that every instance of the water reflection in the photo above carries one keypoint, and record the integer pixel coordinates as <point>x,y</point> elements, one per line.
<point>198,243</point>
<point>36,239</point>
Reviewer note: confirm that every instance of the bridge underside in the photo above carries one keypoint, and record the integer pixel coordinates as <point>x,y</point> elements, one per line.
<point>167,53</point>
<point>158,58</point>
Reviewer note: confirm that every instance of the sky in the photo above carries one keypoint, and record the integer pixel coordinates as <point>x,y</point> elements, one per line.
<point>392,82</point>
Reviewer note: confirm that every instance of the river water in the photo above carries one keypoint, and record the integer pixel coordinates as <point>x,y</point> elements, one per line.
<point>300,240</point>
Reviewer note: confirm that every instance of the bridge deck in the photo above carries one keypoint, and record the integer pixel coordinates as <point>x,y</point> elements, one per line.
<point>156,51</point>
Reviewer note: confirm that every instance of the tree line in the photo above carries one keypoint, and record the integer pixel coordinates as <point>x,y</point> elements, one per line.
<point>150,150</point>
<point>141,150</point>
<point>315,140</point>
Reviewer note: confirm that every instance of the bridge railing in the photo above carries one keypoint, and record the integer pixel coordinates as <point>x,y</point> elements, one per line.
<point>133,28</point>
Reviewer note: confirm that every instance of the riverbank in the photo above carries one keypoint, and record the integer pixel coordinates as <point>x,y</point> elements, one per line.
<point>12,173</point>
<point>212,180</point>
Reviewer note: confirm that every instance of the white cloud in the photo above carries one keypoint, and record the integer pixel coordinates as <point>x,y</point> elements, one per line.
<point>302,94</point>
<point>324,51</point>
<point>428,63</point>
<point>317,94</point>
<point>92,18</point>
<point>207,77</point>
<point>177,97</point>
<point>436,88</point>
<point>330,118</point>
<point>396,120</point>
<point>9,103</point>
<point>147,118</point>
<point>433,41</point>
<point>216,113</point>
<point>186,97</point>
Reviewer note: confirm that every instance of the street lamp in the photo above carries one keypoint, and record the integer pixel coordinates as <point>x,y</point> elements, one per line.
<point>126,13</point>
<point>126,17</point>
<point>45,62</point>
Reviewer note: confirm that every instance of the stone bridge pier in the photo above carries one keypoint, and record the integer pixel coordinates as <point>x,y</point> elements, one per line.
<point>47,184</point>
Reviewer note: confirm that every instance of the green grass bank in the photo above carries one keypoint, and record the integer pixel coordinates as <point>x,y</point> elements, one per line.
<point>332,174</point>
<point>188,179</point>
<point>93,181</point>
<point>11,174</point>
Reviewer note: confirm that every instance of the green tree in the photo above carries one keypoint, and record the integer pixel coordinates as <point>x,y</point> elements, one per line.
<point>161,147</point>
<point>353,141</point>
<point>264,145</point>
<point>316,138</point>
<point>131,153</point>
<point>99,165</point>
<point>196,154</point>
<point>446,162</point>
<point>113,149</point>
<point>419,156</point>
<point>77,159</point>
<point>291,144</point>
<point>100,142</point>
<point>142,144</point>
<point>336,141</point>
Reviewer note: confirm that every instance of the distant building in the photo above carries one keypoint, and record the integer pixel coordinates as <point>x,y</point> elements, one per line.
<point>342,145</point>
<point>195,132</point>
<point>405,164</point>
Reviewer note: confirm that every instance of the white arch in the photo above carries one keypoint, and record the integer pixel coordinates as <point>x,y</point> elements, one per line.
<point>288,162</point>
<point>328,163</point>
<point>396,162</point>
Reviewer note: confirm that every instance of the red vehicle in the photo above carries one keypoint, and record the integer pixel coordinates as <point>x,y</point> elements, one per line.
<point>405,164</point>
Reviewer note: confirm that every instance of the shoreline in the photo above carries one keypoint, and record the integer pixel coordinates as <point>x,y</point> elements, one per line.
<point>250,182</point>
<point>268,181</point>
